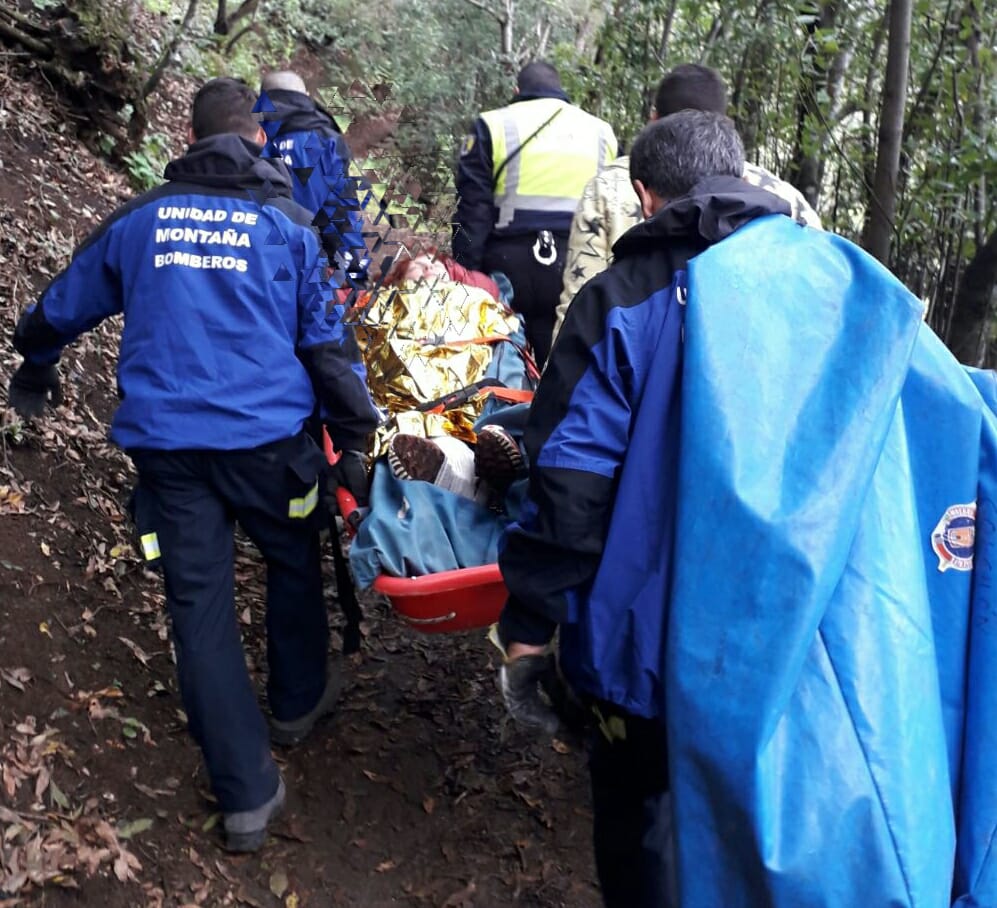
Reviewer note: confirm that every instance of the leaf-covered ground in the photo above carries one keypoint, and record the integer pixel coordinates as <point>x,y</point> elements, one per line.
<point>417,792</point>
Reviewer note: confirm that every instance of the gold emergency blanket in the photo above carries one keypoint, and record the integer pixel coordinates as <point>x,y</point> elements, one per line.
<point>421,341</point>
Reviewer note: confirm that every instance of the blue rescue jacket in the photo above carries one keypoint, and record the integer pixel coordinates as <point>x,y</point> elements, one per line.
<point>307,138</point>
<point>230,336</point>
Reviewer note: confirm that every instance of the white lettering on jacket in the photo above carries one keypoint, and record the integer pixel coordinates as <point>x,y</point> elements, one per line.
<point>227,237</point>
<point>193,260</point>
<point>172,213</point>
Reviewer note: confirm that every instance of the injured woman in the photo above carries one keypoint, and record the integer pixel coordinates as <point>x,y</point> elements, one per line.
<point>446,358</point>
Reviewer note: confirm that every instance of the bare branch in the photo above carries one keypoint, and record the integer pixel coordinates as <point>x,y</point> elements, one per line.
<point>164,61</point>
<point>543,36</point>
<point>32,44</point>
<point>253,27</point>
<point>501,18</point>
<point>247,8</point>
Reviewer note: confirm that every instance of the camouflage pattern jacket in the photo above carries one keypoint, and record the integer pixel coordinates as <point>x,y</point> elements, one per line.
<point>609,208</point>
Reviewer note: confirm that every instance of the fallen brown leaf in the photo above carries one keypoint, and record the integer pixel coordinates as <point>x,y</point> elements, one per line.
<point>278,883</point>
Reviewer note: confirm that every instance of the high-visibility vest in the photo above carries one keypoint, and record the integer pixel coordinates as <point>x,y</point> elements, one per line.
<point>553,167</point>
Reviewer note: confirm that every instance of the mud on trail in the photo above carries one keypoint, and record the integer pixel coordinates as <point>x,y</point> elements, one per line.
<point>417,792</point>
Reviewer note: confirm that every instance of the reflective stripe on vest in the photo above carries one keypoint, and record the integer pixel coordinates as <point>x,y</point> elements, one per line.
<point>551,171</point>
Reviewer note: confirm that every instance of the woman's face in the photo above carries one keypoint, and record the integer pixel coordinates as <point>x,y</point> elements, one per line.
<point>423,267</point>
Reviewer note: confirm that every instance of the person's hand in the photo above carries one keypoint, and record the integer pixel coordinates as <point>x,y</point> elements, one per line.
<point>32,387</point>
<point>350,471</point>
<point>528,680</point>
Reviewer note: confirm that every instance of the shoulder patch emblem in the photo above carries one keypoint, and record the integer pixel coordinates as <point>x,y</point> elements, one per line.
<point>954,538</point>
<point>468,145</point>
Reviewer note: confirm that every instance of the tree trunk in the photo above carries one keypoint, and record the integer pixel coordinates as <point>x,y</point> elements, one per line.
<point>807,166</point>
<point>868,150</point>
<point>891,126</point>
<point>167,57</point>
<point>746,98</point>
<point>666,33</point>
<point>978,115</point>
<point>970,330</point>
<point>713,36</point>
<point>506,23</point>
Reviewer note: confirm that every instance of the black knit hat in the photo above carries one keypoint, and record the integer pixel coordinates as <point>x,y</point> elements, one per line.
<point>538,76</point>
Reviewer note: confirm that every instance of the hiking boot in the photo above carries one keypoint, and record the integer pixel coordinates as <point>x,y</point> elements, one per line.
<point>412,457</point>
<point>246,830</point>
<point>497,458</point>
<point>292,732</point>
<point>444,461</point>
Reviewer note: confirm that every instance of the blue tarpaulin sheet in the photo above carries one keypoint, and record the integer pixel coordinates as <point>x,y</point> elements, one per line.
<point>417,528</point>
<point>830,665</point>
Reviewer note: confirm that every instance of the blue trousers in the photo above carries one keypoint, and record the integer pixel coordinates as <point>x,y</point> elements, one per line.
<point>185,508</point>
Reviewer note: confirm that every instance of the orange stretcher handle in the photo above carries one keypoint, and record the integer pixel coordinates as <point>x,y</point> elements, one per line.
<point>531,367</point>
<point>511,395</point>
<point>349,510</point>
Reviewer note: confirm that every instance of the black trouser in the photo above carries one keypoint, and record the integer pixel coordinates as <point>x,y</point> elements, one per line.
<point>185,506</point>
<point>632,812</point>
<point>537,287</point>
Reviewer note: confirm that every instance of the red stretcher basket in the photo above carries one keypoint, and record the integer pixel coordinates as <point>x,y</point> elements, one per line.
<point>441,603</point>
<point>459,600</point>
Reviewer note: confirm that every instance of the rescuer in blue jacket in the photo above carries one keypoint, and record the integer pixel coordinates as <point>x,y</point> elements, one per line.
<point>608,406</point>
<point>311,144</point>
<point>229,346</point>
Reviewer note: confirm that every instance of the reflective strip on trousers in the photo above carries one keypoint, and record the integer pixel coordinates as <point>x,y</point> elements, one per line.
<point>299,508</point>
<point>150,546</point>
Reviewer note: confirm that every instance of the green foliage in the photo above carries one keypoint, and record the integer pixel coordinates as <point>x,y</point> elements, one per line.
<point>805,80</point>
<point>145,166</point>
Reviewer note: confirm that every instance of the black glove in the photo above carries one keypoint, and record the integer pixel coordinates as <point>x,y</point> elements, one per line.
<point>521,682</point>
<point>31,387</point>
<point>350,471</point>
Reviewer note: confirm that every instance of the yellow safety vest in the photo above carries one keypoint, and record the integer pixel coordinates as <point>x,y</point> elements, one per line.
<point>553,167</point>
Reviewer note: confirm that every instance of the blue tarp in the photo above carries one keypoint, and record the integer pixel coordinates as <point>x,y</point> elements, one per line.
<point>831,659</point>
<point>416,528</point>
